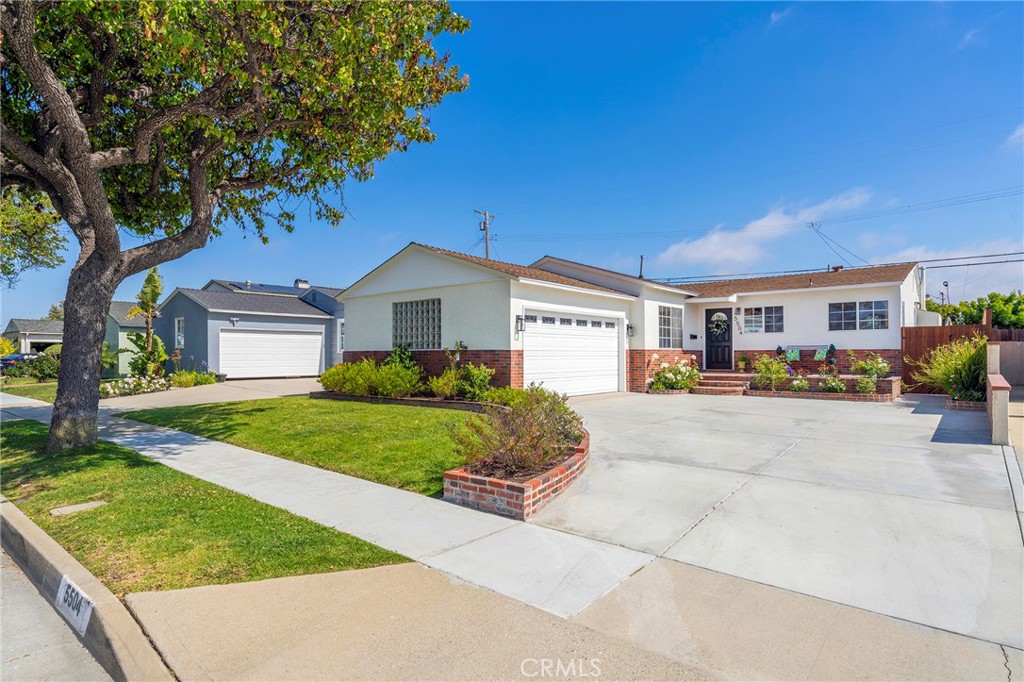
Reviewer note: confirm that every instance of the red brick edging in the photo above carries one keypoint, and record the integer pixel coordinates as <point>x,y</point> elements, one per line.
<point>969,405</point>
<point>508,498</point>
<point>853,397</point>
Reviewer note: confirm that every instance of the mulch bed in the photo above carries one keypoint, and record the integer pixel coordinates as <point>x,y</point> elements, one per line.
<point>491,469</point>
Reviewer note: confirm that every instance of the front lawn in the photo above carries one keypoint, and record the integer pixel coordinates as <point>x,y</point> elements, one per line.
<point>28,387</point>
<point>397,445</point>
<point>162,529</point>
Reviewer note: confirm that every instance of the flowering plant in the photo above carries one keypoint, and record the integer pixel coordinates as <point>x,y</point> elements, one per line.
<point>679,377</point>
<point>133,386</point>
<point>800,385</point>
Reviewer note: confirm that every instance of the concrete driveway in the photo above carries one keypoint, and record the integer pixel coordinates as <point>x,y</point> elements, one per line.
<point>901,509</point>
<point>229,391</point>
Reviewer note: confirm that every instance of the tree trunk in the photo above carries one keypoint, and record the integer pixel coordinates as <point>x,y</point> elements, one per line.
<point>90,290</point>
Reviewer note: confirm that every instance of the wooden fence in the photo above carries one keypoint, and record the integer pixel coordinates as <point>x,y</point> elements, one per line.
<point>918,341</point>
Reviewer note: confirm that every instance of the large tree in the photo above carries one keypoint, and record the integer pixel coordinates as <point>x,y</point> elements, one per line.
<point>167,120</point>
<point>30,235</point>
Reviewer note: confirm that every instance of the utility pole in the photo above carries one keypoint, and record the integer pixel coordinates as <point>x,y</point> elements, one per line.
<point>485,227</point>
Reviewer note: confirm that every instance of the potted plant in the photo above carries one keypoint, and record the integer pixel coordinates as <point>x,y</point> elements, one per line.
<point>741,362</point>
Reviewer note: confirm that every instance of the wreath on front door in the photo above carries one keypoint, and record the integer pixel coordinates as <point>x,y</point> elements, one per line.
<point>718,325</point>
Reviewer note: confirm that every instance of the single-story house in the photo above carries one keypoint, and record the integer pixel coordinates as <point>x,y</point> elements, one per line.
<point>34,336</point>
<point>248,330</point>
<point>581,329</point>
<point>119,324</point>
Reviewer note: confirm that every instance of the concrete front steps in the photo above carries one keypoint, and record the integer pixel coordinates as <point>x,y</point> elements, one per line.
<point>722,383</point>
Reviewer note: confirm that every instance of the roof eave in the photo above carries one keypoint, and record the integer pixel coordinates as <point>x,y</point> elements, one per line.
<point>582,290</point>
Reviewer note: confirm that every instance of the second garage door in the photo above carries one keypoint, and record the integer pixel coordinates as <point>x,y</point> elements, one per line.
<point>571,354</point>
<point>254,353</point>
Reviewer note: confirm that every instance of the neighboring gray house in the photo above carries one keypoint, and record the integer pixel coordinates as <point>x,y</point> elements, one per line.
<point>247,330</point>
<point>33,336</point>
<point>118,326</point>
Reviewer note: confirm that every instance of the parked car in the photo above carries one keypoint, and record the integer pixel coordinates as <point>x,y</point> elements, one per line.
<point>15,358</point>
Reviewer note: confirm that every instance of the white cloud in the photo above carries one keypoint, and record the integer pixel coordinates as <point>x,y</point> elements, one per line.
<point>970,38</point>
<point>747,245</point>
<point>966,283</point>
<point>1016,136</point>
<point>778,15</point>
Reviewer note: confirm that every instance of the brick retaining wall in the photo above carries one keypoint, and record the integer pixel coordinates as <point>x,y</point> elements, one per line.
<point>808,364</point>
<point>507,364</point>
<point>515,500</point>
<point>641,364</point>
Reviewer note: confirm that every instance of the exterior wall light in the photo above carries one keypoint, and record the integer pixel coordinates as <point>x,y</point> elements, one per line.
<point>630,331</point>
<point>234,320</point>
<point>520,324</point>
<point>780,351</point>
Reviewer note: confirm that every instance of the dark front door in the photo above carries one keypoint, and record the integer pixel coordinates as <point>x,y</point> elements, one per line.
<point>717,338</point>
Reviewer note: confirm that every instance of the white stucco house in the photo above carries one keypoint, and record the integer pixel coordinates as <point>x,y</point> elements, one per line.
<point>581,329</point>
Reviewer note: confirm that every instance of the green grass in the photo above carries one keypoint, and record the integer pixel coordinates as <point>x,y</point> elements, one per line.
<point>397,445</point>
<point>163,529</point>
<point>28,387</point>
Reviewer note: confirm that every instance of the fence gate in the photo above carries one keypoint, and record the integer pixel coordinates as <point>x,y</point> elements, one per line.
<point>918,341</point>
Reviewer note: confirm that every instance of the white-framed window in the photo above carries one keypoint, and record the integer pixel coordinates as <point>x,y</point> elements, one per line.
<point>417,324</point>
<point>766,319</point>
<point>179,332</point>
<point>773,322</point>
<point>341,335</point>
<point>853,315</point>
<point>670,327</point>
<point>753,320</point>
<point>873,314</point>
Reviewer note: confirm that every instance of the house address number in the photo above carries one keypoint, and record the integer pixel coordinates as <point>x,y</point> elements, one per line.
<point>74,605</point>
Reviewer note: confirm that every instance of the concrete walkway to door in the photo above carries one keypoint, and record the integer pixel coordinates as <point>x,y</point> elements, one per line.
<point>901,509</point>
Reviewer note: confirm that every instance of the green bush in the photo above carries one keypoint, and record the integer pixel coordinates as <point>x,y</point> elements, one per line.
<point>146,362</point>
<point>45,367</point>
<point>54,350</point>
<point>504,395</point>
<point>187,378</point>
<point>351,378</point>
<point>679,377</point>
<point>769,372</point>
<point>832,385</point>
<point>800,385</point>
<point>445,386</point>
<point>396,380</point>
<point>402,357</point>
<point>475,381</point>
<point>865,385</point>
<point>526,438</point>
<point>957,369</point>
<point>873,366</point>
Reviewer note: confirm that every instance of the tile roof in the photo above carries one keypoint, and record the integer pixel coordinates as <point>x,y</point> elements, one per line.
<point>247,303</point>
<point>119,311</point>
<point>523,271</point>
<point>876,274</point>
<point>35,326</point>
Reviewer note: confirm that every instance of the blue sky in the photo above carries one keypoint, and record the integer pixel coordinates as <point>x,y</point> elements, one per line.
<point>703,136</point>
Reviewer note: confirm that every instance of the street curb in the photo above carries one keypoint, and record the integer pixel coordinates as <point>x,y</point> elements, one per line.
<point>112,636</point>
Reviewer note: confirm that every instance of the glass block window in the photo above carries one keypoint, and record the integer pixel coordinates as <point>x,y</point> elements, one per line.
<point>874,315</point>
<point>842,316</point>
<point>670,327</point>
<point>417,324</point>
<point>773,318</point>
<point>753,319</point>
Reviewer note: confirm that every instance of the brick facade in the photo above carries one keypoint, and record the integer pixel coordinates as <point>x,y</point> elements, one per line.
<point>808,364</point>
<point>507,364</point>
<point>641,364</point>
<point>515,500</point>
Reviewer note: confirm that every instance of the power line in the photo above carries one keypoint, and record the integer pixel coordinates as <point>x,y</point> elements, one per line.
<point>817,230</point>
<point>485,227</point>
<point>967,265</point>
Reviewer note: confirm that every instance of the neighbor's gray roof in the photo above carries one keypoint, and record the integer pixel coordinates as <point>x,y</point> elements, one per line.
<point>246,303</point>
<point>333,292</point>
<point>35,326</point>
<point>119,311</point>
<point>276,289</point>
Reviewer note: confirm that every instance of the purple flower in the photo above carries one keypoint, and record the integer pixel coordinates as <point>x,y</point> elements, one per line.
<point>789,370</point>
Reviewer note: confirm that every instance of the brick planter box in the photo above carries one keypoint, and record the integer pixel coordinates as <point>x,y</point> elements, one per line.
<point>853,397</point>
<point>970,405</point>
<point>515,500</point>
<point>670,391</point>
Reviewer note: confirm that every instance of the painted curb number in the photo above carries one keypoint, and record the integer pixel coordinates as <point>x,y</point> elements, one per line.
<point>74,605</point>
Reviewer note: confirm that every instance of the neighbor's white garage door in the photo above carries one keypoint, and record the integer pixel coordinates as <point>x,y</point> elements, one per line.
<point>250,353</point>
<point>571,354</point>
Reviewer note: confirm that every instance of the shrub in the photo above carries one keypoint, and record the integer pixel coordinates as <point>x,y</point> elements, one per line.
<point>187,378</point>
<point>800,385</point>
<point>445,386</point>
<point>54,350</point>
<point>957,369</point>
<point>504,395</point>
<point>832,384</point>
<point>679,377</point>
<point>770,372</point>
<point>865,385</point>
<point>45,367</point>
<point>396,380</point>
<point>873,366</point>
<point>402,357</point>
<point>133,386</point>
<point>527,438</point>
<point>351,378</point>
<point>146,362</point>
<point>475,381</point>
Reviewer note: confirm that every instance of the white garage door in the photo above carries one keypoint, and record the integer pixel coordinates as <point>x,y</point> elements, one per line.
<point>251,353</point>
<point>571,354</point>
